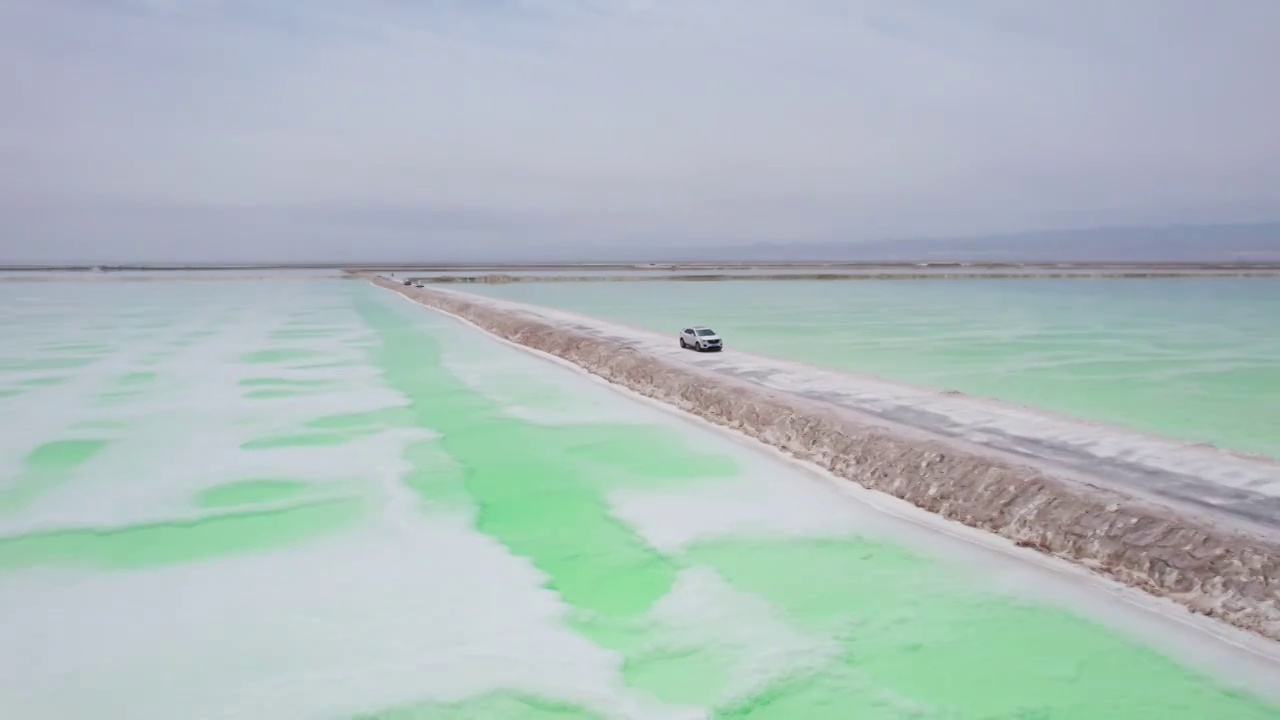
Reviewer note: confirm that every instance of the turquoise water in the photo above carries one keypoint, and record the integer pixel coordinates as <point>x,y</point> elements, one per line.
<point>316,500</point>
<point>1193,359</point>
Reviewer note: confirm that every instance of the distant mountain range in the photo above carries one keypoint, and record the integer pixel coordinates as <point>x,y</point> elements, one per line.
<point>1253,243</point>
<point>1181,243</point>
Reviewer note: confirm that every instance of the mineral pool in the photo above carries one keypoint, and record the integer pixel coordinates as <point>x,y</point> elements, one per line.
<point>314,499</point>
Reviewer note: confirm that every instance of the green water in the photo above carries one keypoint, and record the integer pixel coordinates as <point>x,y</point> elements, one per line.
<point>142,546</point>
<point>1194,359</point>
<point>363,548</point>
<point>489,707</point>
<point>44,468</point>
<point>251,492</point>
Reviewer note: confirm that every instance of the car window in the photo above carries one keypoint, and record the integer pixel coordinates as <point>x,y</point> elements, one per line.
<point>706,331</point>
<point>687,331</point>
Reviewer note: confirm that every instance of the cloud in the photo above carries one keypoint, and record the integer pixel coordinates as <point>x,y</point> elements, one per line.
<point>624,123</point>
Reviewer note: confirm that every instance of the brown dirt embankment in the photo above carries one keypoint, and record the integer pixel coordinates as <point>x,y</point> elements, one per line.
<point>1210,569</point>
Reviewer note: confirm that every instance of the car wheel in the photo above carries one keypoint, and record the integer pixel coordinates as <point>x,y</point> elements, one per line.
<point>683,345</point>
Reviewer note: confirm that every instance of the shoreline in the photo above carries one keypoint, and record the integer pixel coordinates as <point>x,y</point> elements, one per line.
<point>1206,564</point>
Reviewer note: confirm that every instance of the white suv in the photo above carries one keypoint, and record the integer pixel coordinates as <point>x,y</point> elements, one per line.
<point>700,338</point>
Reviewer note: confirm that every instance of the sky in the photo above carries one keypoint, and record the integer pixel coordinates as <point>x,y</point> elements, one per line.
<point>337,130</point>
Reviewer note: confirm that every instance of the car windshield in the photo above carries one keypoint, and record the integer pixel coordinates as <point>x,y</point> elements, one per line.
<point>705,331</point>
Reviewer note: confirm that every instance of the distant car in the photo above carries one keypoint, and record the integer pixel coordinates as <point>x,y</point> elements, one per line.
<point>701,338</point>
<point>407,282</point>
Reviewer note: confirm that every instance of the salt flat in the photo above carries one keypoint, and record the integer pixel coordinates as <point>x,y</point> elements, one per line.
<point>316,500</point>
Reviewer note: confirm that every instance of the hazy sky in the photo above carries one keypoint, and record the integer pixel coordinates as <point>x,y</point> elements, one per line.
<point>333,129</point>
